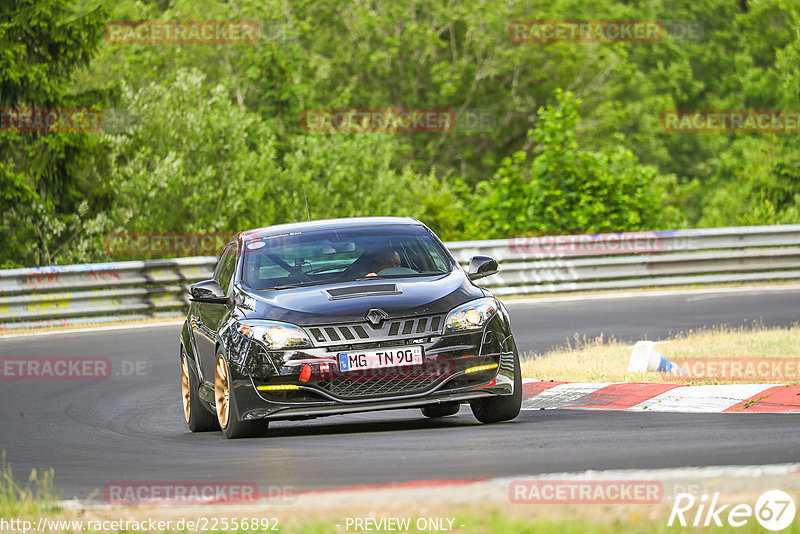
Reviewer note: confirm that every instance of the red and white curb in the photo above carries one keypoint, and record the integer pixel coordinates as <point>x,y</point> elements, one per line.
<point>742,398</point>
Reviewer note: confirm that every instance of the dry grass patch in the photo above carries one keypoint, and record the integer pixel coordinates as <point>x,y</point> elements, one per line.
<point>606,360</point>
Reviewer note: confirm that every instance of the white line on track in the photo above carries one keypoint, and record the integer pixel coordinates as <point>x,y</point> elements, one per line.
<point>90,329</point>
<point>639,294</point>
<point>671,473</point>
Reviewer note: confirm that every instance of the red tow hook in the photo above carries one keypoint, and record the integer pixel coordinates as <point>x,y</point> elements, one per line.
<point>305,373</point>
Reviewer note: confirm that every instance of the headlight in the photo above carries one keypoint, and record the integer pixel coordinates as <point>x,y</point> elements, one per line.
<point>274,335</point>
<point>470,316</point>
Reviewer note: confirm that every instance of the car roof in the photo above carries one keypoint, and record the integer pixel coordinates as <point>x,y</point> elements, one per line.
<point>349,222</point>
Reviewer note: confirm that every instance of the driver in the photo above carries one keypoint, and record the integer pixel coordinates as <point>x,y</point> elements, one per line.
<point>384,260</point>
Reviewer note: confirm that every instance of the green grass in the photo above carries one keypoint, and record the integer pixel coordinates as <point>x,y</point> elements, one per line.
<point>539,522</point>
<point>35,498</point>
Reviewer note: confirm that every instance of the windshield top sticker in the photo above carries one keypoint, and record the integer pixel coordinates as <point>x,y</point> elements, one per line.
<point>282,235</point>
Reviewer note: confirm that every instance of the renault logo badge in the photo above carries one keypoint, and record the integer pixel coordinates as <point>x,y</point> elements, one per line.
<point>376,316</point>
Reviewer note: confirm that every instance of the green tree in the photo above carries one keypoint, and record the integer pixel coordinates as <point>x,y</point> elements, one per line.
<point>565,189</point>
<point>353,174</point>
<point>757,182</point>
<point>52,183</point>
<point>188,159</point>
<point>610,168</point>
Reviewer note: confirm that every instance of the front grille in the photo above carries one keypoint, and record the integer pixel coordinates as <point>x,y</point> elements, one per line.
<point>352,388</point>
<point>326,335</point>
<point>387,380</point>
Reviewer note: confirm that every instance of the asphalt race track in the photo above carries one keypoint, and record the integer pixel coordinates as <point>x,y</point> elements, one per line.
<point>129,427</point>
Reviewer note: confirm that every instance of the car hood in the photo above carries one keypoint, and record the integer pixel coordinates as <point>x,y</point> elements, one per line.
<point>350,301</point>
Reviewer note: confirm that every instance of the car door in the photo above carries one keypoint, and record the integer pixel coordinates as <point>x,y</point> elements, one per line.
<point>211,316</point>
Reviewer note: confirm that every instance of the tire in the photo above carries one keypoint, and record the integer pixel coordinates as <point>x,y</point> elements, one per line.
<point>502,407</point>
<point>197,417</point>
<point>226,408</point>
<point>440,410</point>
<point>258,428</point>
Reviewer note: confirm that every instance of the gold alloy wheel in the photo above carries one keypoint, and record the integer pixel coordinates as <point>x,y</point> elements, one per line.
<point>187,409</point>
<point>222,391</point>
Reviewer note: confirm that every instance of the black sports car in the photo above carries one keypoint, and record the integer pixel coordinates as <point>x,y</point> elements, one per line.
<point>339,316</point>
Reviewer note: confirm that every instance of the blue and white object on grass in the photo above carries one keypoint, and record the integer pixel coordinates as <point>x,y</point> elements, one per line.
<point>644,358</point>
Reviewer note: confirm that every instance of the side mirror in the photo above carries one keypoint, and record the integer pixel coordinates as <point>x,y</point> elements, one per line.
<point>208,291</point>
<point>482,266</point>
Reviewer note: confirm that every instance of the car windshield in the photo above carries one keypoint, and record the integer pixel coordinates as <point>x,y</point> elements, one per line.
<point>340,255</point>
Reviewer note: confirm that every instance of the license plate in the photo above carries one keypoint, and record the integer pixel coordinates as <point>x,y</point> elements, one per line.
<point>375,359</point>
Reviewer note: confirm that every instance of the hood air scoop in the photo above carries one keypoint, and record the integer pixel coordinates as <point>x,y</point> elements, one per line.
<point>362,291</point>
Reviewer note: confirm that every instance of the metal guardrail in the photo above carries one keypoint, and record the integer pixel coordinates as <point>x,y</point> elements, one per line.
<point>99,292</point>
<point>94,293</point>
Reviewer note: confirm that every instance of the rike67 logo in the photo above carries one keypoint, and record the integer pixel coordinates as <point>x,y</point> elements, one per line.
<point>774,510</point>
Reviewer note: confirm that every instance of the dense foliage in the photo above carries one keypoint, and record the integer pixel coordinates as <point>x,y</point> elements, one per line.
<point>208,137</point>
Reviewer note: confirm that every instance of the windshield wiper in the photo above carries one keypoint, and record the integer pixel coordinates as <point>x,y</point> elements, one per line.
<point>290,286</point>
<point>390,276</point>
<point>362,279</point>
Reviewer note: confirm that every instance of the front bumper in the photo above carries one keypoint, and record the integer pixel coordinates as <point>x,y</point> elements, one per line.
<point>442,378</point>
